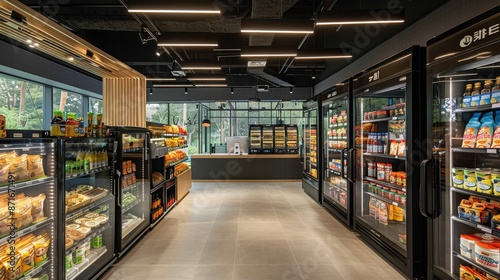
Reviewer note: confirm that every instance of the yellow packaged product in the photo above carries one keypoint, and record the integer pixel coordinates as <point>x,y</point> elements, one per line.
<point>470,180</point>
<point>12,263</point>
<point>27,252</point>
<point>495,180</point>
<point>458,177</point>
<point>19,167</point>
<point>3,271</point>
<point>399,214</point>
<point>22,213</point>
<point>37,207</point>
<point>35,166</point>
<point>484,182</point>
<point>41,243</point>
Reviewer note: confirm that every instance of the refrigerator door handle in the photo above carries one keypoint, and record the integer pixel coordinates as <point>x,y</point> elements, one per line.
<point>350,164</point>
<point>342,160</point>
<point>426,199</point>
<point>118,190</point>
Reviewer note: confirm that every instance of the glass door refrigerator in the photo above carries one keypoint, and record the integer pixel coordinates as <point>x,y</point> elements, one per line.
<point>462,194</point>
<point>134,185</point>
<point>292,144</point>
<point>28,212</point>
<point>337,151</point>
<point>87,195</point>
<point>255,139</point>
<point>279,139</point>
<point>310,152</point>
<point>267,139</point>
<point>389,100</point>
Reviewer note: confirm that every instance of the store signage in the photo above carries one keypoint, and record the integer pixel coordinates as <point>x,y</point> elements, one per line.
<point>479,35</point>
<point>465,37</point>
<point>375,76</point>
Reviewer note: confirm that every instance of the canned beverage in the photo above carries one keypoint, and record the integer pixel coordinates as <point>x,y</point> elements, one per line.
<point>458,177</point>
<point>470,181</point>
<point>484,182</point>
<point>3,127</point>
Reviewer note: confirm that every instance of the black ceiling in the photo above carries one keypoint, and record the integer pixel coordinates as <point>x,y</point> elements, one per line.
<point>108,25</point>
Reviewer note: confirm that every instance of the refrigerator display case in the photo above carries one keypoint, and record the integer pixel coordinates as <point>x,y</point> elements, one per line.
<point>133,211</point>
<point>461,198</point>
<point>310,153</point>
<point>158,150</point>
<point>267,139</point>
<point>337,152</point>
<point>86,168</point>
<point>255,139</point>
<point>279,139</point>
<point>292,139</point>
<point>29,212</point>
<point>389,100</point>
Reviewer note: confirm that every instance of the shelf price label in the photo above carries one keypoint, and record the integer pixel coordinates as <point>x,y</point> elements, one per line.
<point>395,204</point>
<point>484,228</point>
<point>491,151</point>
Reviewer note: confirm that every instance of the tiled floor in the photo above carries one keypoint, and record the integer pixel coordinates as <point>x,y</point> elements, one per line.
<point>254,231</point>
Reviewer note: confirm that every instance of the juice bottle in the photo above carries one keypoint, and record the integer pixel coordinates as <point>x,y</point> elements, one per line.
<point>467,95</point>
<point>81,127</point>
<point>486,93</point>
<point>88,160</point>
<point>475,98</point>
<point>58,125</point>
<point>105,156</point>
<point>71,125</point>
<point>495,91</point>
<point>90,121</point>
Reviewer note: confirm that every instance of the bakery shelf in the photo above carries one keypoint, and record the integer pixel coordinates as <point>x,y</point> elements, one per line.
<point>338,139</point>
<point>158,186</point>
<point>475,150</point>
<point>88,206</point>
<point>479,108</point>
<point>87,238</point>
<point>28,183</point>
<point>385,119</point>
<point>384,183</point>
<point>175,162</point>
<point>176,148</point>
<point>131,205</point>
<point>128,188</point>
<point>474,264</point>
<point>384,156</point>
<point>481,227</point>
<point>133,150</point>
<point>86,173</point>
<point>385,199</point>
<point>27,229</point>
<point>97,254</point>
<point>37,269</point>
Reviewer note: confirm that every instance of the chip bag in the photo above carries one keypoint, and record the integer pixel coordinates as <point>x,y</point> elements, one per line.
<point>485,132</point>
<point>471,129</point>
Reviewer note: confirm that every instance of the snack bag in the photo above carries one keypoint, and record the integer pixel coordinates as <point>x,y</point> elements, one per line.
<point>27,252</point>
<point>485,132</point>
<point>35,166</point>
<point>402,148</point>
<point>496,134</point>
<point>41,243</point>
<point>469,140</point>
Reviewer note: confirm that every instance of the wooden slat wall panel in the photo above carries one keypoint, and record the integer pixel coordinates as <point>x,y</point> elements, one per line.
<point>124,101</point>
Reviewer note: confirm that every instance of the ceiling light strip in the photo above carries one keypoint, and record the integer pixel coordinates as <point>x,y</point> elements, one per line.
<point>323,57</point>
<point>277,31</point>
<point>188,45</point>
<point>170,11</point>
<point>358,22</point>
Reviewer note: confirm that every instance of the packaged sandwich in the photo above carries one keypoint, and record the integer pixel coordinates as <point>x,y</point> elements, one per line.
<point>35,166</point>
<point>471,129</point>
<point>485,132</point>
<point>37,207</point>
<point>41,243</point>
<point>19,167</point>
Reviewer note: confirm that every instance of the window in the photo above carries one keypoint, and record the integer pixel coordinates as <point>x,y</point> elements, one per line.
<point>68,102</point>
<point>21,102</point>
<point>95,106</point>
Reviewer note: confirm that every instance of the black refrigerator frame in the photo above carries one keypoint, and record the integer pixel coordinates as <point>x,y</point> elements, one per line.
<point>455,50</point>
<point>407,67</point>
<point>311,185</point>
<point>341,92</point>
<point>117,132</point>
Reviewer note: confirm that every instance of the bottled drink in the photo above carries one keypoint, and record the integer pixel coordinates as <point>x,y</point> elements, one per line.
<point>486,93</point>
<point>90,121</point>
<point>467,95</point>
<point>475,98</point>
<point>495,91</point>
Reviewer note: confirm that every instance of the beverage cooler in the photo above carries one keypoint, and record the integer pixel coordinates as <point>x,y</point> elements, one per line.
<point>310,152</point>
<point>158,150</point>
<point>28,214</point>
<point>292,145</point>
<point>86,190</point>
<point>389,100</point>
<point>338,151</point>
<point>133,211</point>
<point>462,198</point>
